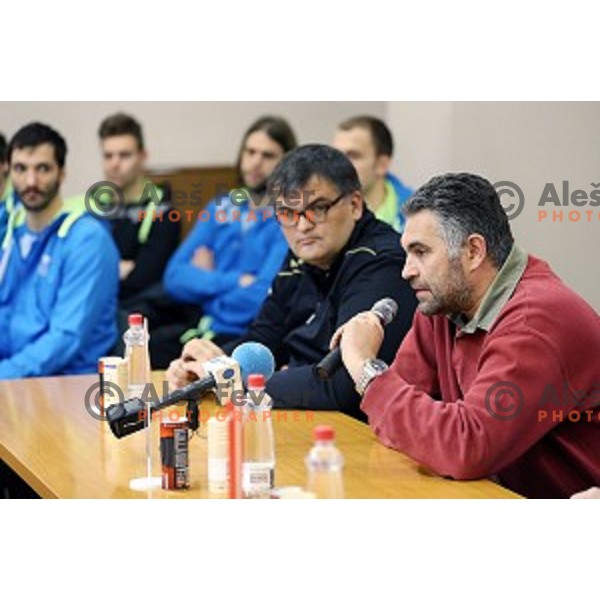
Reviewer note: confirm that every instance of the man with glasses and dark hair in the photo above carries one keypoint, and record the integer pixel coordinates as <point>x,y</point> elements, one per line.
<point>341,261</point>
<point>58,270</point>
<point>499,375</point>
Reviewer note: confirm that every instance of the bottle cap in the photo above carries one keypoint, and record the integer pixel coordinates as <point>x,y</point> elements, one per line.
<point>324,433</point>
<point>256,380</point>
<point>135,319</point>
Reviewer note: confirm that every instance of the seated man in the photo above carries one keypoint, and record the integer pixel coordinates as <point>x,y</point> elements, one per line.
<point>369,145</point>
<point>145,242</point>
<point>499,375</point>
<point>342,260</point>
<point>58,270</point>
<point>224,268</point>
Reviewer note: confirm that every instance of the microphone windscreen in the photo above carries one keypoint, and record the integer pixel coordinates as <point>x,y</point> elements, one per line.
<point>254,358</point>
<point>386,310</point>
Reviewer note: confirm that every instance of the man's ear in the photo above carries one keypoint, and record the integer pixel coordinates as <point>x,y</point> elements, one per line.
<point>382,165</point>
<point>476,251</point>
<point>358,205</point>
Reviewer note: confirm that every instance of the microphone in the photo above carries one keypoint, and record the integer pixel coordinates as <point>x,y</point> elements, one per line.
<point>225,374</point>
<point>128,417</point>
<point>385,309</point>
<point>254,359</point>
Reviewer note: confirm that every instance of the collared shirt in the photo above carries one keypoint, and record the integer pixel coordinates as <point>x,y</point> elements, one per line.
<point>497,295</point>
<point>505,397</point>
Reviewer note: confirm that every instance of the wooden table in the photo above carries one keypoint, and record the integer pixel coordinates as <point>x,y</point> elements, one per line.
<point>48,437</point>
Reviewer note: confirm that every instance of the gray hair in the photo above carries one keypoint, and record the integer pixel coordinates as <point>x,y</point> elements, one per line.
<point>465,204</point>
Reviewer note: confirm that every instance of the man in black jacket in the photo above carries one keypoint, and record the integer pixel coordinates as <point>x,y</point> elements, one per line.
<point>341,261</point>
<point>143,223</point>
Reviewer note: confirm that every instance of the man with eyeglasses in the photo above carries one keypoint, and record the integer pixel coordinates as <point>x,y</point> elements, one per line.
<point>341,261</point>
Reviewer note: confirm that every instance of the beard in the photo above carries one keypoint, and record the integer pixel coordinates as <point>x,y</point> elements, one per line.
<point>47,198</point>
<point>454,299</point>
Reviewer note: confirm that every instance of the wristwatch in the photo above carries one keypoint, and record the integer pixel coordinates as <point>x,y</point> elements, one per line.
<point>373,367</point>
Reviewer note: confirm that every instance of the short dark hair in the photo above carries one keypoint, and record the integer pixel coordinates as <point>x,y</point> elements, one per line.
<point>313,160</point>
<point>3,149</point>
<point>36,134</point>
<point>121,124</point>
<point>380,133</point>
<point>465,204</point>
<point>277,128</point>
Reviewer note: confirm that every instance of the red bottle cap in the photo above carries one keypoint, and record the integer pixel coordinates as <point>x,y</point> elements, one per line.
<point>256,380</point>
<point>324,433</point>
<point>135,320</point>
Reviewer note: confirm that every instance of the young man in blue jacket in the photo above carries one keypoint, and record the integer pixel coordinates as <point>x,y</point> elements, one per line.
<point>368,143</point>
<point>58,270</point>
<point>225,267</point>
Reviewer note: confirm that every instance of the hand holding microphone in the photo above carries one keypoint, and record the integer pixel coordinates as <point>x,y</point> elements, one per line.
<point>253,357</point>
<point>188,368</point>
<point>223,374</point>
<point>359,339</point>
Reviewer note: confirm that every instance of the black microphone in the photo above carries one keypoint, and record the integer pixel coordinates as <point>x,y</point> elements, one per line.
<point>128,417</point>
<point>385,309</point>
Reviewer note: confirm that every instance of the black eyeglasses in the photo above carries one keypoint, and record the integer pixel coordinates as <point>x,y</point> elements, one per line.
<point>316,213</point>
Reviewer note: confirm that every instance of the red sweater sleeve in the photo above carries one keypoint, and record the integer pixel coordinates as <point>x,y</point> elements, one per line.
<point>463,438</point>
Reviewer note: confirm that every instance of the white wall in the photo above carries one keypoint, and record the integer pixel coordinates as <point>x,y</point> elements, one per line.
<point>529,143</point>
<point>177,133</point>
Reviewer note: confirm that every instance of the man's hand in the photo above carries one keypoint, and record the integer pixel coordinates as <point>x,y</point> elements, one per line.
<point>178,375</point>
<point>246,280</point>
<point>204,259</point>
<point>200,351</point>
<point>359,339</point>
<point>125,267</point>
<point>188,367</point>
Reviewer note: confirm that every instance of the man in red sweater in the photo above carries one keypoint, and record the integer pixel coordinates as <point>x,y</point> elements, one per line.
<point>500,374</point>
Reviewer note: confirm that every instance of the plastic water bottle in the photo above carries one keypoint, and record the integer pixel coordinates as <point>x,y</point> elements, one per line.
<point>136,353</point>
<point>138,359</point>
<point>324,464</point>
<point>258,462</point>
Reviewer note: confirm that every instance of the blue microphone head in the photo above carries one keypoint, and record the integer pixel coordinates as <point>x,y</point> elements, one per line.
<point>254,358</point>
